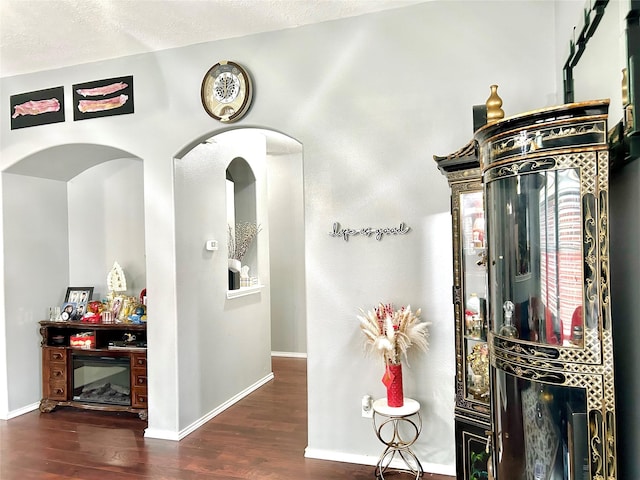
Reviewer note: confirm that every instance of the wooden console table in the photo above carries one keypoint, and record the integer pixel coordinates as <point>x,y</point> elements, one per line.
<point>107,341</point>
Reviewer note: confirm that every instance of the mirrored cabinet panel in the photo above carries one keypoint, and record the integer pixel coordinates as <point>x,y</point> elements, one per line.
<point>475,361</point>
<point>541,257</point>
<point>542,430</point>
<point>546,181</point>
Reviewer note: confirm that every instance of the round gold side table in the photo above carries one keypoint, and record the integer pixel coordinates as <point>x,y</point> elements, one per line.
<point>398,428</point>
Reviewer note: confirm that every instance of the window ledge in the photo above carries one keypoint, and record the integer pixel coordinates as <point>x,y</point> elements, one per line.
<point>243,291</point>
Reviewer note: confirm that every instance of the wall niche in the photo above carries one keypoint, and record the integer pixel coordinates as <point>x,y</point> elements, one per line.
<point>68,212</point>
<point>241,223</point>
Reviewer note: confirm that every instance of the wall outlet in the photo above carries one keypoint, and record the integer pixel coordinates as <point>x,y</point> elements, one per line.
<point>367,406</point>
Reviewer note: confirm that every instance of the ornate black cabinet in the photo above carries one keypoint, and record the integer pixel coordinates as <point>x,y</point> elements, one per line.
<point>469,301</point>
<point>546,180</point>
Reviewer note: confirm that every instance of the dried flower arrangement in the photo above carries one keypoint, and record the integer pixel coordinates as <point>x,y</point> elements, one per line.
<point>391,332</point>
<point>239,243</point>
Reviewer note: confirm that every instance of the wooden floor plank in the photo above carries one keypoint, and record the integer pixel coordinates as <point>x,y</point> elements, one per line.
<point>262,437</point>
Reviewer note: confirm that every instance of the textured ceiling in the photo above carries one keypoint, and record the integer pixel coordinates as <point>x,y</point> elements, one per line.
<point>38,35</point>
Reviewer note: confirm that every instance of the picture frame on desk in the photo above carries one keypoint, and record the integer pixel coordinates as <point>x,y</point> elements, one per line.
<point>68,311</point>
<point>80,298</point>
<point>116,307</point>
<point>79,295</point>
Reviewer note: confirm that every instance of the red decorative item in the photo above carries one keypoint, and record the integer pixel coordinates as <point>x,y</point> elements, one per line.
<point>94,306</point>
<point>392,379</point>
<point>84,341</point>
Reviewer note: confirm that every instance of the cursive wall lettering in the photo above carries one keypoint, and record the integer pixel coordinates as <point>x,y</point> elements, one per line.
<point>345,233</point>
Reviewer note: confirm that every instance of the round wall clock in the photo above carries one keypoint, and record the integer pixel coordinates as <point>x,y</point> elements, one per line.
<point>226,91</point>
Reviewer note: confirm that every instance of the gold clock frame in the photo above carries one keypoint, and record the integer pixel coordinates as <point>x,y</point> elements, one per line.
<point>234,110</point>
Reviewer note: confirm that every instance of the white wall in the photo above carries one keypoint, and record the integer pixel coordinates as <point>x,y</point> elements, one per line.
<point>598,74</point>
<point>285,178</point>
<point>379,172</point>
<point>371,99</point>
<point>223,344</point>
<point>106,224</point>
<point>567,16</point>
<point>36,272</point>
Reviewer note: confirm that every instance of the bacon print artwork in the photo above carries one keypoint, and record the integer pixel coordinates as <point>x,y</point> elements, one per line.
<point>102,98</point>
<point>106,90</point>
<point>99,105</point>
<point>36,107</point>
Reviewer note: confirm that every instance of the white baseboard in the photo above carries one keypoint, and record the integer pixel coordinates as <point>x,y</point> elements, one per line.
<point>289,354</point>
<point>373,460</point>
<point>19,411</point>
<point>161,434</point>
<point>177,436</point>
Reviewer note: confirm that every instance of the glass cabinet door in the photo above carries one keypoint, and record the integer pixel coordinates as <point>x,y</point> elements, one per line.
<point>541,430</point>
<point>545,176</point>
<point>537,287</point>
<point>475,354</point>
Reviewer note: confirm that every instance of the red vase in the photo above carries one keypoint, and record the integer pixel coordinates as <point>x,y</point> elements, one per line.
<point>393,381</point>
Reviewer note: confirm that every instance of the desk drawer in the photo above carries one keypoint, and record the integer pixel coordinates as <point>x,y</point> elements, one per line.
<point>139,398</point>
<point>139,360</point>
<point>56,355</point>
<point>57,372</point>
<point>139,379</point>
<point>57,390</point>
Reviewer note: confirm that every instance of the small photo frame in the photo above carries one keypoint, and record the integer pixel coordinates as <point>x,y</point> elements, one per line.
<point>68,311</point>
<point>116,307</point>
<point>79,297</point>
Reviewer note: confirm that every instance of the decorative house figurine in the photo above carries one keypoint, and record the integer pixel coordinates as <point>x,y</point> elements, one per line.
<point>116,281</point>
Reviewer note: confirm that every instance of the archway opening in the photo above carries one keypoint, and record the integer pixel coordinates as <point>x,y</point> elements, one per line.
<point>68,211</point>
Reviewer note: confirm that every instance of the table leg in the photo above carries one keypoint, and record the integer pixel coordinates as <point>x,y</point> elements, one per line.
<point>397,445</point>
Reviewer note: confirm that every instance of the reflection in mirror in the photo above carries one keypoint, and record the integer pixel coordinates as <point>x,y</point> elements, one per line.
<point>536,265</point>
<point>541,429</point>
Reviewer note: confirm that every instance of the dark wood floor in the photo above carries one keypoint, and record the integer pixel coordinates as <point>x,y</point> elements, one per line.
<point>262,437</point>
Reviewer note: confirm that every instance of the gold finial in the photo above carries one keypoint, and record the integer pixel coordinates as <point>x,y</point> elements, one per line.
<point>494,102</point>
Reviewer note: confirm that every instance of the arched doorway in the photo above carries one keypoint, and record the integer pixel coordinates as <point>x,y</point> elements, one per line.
<point>64,211</point>
<point>283,158</point>
<point>225,341</point>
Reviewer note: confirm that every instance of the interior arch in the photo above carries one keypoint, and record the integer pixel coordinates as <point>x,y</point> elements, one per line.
<point>285,177</point>
<point>63,162</point>
<point>63,210</point>
<point>267,319</point>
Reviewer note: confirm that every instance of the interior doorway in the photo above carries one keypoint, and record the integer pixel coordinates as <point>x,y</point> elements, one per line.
<point>285,185</point>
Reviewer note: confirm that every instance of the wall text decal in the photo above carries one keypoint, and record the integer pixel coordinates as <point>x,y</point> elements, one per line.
<point>345,233</point>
